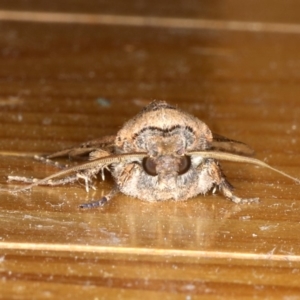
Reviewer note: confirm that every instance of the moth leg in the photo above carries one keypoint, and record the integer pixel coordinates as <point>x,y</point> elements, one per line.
<point>102,201</point>
<point>69,179</point>
<point>47,161</point>
<point>226,190</point>
<point>224,186</point>
<point>87,181</point>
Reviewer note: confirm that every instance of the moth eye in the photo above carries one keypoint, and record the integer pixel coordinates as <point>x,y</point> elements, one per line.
<point>184,164</point>
<point>149,166</point>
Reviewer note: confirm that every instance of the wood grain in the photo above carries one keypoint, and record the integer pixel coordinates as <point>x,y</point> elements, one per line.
<point>63,84</point>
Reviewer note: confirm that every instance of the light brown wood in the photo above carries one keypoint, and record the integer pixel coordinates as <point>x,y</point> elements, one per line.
<point>63,84</point>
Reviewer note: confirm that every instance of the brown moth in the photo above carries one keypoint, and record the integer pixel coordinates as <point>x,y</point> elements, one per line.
<point>162,153</point>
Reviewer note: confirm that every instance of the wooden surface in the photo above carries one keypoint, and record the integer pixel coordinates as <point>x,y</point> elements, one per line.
<point>62,83</point>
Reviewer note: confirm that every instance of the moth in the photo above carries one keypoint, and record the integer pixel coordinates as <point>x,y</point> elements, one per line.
<point>162,153</point>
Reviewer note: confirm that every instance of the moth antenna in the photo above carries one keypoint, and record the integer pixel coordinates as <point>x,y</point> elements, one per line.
<point>100,162</point>
<point>241,159</point>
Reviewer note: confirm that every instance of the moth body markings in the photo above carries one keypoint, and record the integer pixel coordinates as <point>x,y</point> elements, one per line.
<point>161,154</point>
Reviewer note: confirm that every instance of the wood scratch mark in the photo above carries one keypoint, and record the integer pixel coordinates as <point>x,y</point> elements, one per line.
<point>147,21</point>
<point>145,251</point>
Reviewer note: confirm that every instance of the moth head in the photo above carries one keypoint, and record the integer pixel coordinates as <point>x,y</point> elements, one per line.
<point>161,146</point>
<point>166,159</point>
<point>177,165</point>
<point>166,168</point>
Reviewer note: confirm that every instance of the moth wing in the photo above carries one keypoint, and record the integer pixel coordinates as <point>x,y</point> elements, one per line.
<point>85,150</point>
<point>224,144</point>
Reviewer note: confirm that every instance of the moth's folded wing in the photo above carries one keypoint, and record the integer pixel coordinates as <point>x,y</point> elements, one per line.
<point>84,150</point>
<point>224,144</point>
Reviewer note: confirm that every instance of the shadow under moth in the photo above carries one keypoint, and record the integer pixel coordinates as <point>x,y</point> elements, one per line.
<point>162,153</point>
